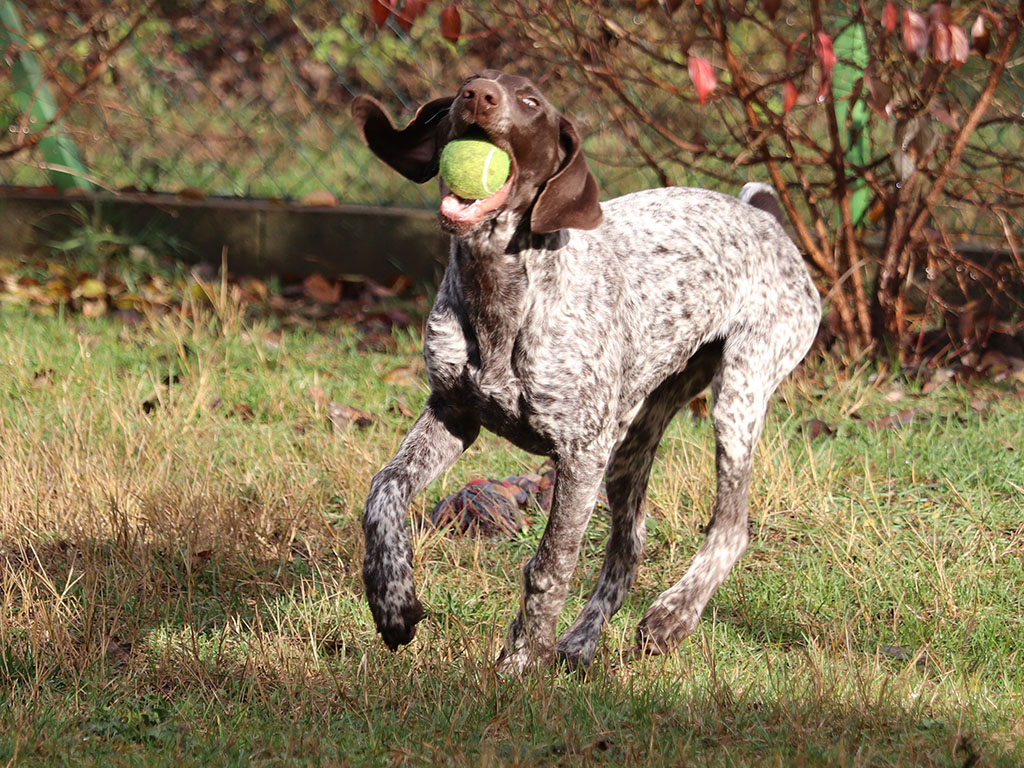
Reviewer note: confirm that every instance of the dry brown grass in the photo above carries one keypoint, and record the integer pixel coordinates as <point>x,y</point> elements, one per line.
<point>180,583</point>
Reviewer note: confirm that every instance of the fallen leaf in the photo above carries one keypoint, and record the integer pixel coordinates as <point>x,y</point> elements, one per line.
<point>192,193</point>
<point>699,407</point>
<point>318,395</point>
<point>374,341</point>
<point>90,288</point>
<point>243,411</point>
<point>402,409</point>
<point>893,395</point>
<point>318,288</point>
<point>815,428</point>
<point>93,309</point>
<point>320,197</point>
<point>345,416</point>
<point>115,649</point>
<point>893,421</point>
<point>405,376</point>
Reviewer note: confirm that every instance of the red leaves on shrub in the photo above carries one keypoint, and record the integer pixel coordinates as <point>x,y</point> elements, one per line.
<point>379,12</point>
<point>938,14</point>
<point>771,7</point>
<point>959,47</point>
<point>980,38</point>
<point>791,93</point>
<point>915,33</point>
<point>941,42</point>
<point>451,23</point>
<point>412,10</point>
<point>702,76</point>
<point>825,53</point>
<point>889,17</point>
<point>827,57</point>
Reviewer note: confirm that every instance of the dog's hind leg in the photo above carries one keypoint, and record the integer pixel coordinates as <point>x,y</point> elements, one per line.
<point>626,482</point>
<point>740,392</point>
<point>434,443</point>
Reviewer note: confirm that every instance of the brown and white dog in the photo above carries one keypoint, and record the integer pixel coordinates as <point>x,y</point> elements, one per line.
<point>577,329</point>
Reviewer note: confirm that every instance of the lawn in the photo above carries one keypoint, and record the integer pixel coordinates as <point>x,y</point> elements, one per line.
<point>180,550</point>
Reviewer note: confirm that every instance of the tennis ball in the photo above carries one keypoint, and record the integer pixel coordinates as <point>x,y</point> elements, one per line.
<point>474,168</point>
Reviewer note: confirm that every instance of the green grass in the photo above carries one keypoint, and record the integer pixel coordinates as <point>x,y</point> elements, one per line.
<point>180,550</point>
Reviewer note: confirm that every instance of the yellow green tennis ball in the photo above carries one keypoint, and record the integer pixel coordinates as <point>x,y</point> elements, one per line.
<point>474,168</point>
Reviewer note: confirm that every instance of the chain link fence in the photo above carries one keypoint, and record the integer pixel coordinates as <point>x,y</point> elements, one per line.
<point>225,98</point>
<point>211,97</point>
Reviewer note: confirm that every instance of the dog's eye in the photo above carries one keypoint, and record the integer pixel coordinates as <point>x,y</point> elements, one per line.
<point>529,101</point>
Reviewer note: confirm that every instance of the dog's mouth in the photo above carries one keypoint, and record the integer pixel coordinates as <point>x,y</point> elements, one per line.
<point>460,213</point>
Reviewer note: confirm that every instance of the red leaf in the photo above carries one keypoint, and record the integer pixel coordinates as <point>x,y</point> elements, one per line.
<point>702,76</point>
<point>790,96</point>
<point>823,48</point>
<point>412,10</point>
<point>379,12</point>
<point>825,53</point>
<point>938,13</point>
<point>960,48</point>
<point>941,42</point>
<point>451,23</point>
<point>793,46</point>
<point>915,34</point>
<point>879,95</point>
<point>980,38</point>
<point>771,7</point>
<point>889,16</point>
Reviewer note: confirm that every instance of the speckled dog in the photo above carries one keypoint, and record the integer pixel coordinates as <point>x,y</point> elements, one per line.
<point>577,330</point>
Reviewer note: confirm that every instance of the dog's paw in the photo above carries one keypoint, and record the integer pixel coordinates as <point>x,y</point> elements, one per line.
<point>662,629</point>
<point>396,609</point>
<point>521,655</point>
<point>399,628</point>
<point>576,652</point>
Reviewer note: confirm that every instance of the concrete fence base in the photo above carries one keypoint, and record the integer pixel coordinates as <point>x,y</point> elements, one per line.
<point>262,237</point>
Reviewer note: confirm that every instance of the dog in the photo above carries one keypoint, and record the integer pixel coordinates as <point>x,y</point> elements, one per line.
<point>577,329</point>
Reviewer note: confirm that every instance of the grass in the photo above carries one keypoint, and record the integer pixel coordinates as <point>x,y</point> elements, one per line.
<point>180,550</point>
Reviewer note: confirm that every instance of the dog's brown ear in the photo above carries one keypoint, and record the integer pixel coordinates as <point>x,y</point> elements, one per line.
<point>569,199</point>
<point>412,151</point>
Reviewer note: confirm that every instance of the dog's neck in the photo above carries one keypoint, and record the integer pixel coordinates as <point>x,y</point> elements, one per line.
<point>492,281</point>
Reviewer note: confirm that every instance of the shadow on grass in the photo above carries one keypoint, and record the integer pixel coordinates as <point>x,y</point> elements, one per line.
<point>261,652</point>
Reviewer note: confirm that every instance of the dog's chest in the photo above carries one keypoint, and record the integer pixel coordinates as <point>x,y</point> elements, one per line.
<point>522,380</point>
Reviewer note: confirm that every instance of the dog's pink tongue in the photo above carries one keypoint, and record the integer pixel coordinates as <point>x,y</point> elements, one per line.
<point>461,211</point>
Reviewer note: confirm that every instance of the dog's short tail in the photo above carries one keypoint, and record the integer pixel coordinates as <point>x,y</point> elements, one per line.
<point>761,195</point>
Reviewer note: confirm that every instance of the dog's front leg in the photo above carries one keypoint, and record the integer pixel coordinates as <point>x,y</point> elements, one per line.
<point>531,638</point>
<point>437,439</point>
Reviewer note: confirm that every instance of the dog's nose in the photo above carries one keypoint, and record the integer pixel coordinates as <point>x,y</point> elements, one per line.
<point>480,97</point>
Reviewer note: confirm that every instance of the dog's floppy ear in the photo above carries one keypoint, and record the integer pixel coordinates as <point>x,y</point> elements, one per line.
<point>412,151</point>
<point>569,199</point>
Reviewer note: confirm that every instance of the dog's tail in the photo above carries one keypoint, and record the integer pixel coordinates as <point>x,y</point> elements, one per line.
<point>761,195</point>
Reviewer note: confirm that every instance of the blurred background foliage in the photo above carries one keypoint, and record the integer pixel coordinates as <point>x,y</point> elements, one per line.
<point>892,131</point>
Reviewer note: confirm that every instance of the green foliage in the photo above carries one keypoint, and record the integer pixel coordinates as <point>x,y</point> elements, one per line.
<point>851,49</point>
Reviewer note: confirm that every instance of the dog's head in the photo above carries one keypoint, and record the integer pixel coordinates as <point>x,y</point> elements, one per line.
<point>549,179</point>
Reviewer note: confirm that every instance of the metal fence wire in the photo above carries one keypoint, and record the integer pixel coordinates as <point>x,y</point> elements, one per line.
<point>243,98</point>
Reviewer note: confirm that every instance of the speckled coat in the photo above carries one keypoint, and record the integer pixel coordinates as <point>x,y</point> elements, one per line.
<point>581,342</point>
